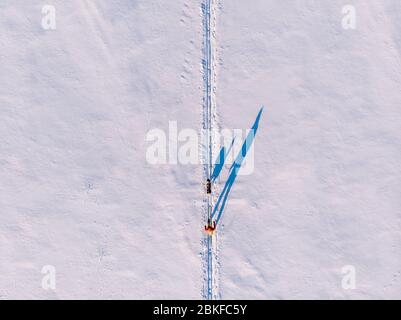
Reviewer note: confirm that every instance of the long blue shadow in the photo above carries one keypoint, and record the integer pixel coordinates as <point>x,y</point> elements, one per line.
<point>221,159</point>
<point>222,201</point>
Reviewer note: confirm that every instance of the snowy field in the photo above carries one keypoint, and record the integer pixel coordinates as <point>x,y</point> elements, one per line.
<point>319,217</point>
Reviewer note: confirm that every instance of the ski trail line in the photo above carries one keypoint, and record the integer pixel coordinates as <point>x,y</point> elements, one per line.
<point>209,111</point>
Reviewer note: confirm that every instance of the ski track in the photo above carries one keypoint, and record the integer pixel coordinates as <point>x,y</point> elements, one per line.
<point>209,123</point>
<point>209,148</point>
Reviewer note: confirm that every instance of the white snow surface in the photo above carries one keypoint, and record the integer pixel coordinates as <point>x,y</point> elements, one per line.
<point>77,193</point>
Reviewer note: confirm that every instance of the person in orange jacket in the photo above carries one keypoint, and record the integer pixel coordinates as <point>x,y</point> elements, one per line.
<point>210,228</point>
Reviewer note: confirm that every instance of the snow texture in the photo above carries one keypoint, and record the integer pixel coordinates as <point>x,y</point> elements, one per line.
<point>77,193</point>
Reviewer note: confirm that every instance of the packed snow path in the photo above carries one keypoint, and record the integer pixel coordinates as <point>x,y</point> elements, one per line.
<point>210,291</point>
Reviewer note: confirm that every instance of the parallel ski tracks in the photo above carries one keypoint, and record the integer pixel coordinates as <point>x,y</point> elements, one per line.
<point>208,111</point>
